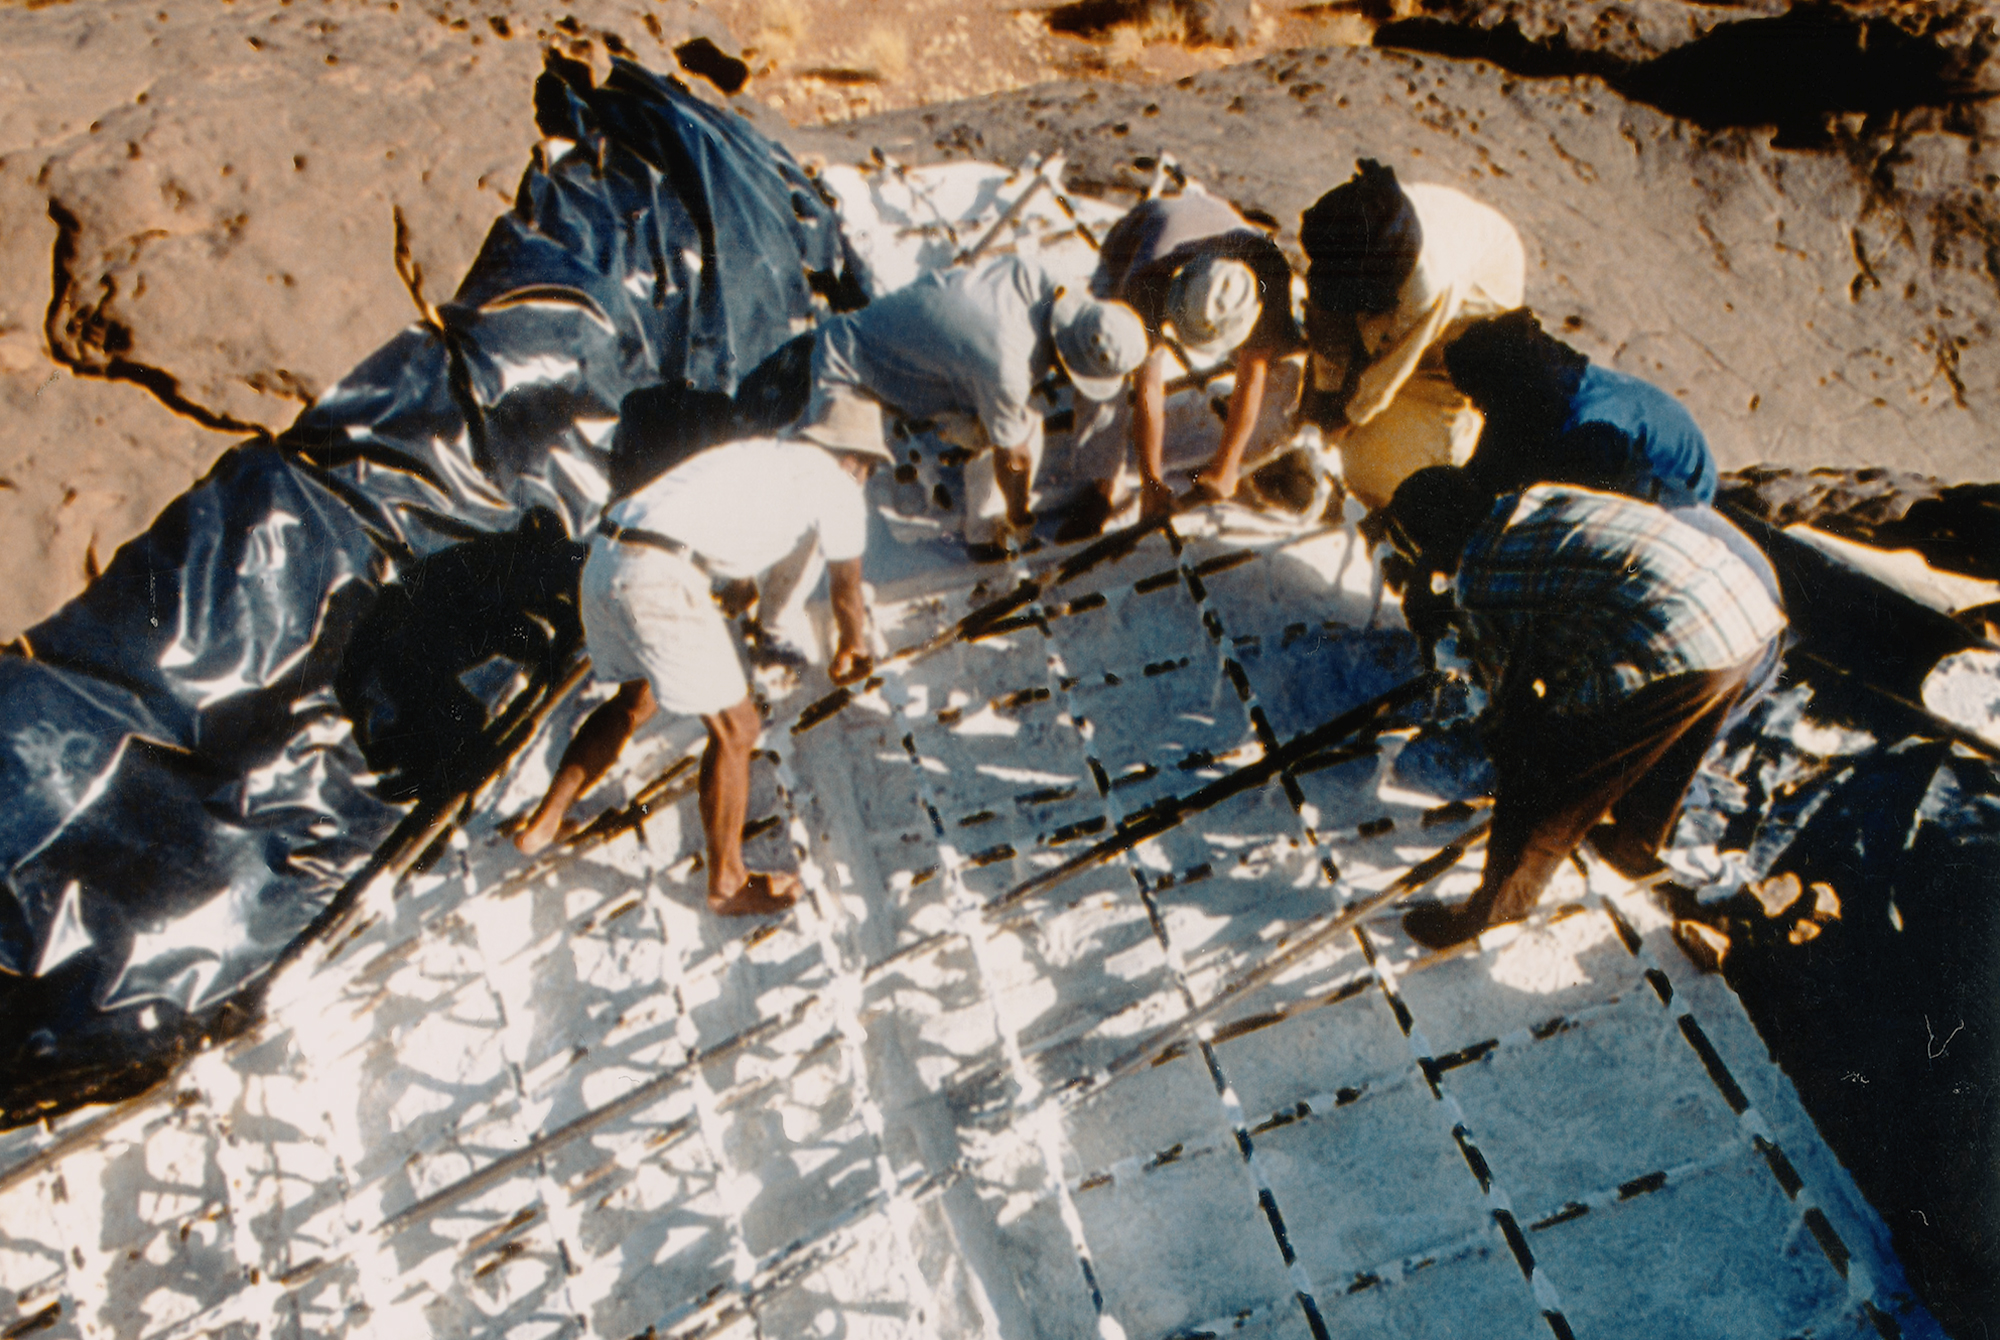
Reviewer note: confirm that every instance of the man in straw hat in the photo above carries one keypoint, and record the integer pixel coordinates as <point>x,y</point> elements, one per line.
<point>1203,279</point>
<point>966,348</point>
<point>651,624</point>
<point>1396,272</point>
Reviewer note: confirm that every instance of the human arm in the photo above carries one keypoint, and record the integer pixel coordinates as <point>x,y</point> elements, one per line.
<point>1385,373</point>
<point>1149,433</point>
<point>851,660</point>
<point>1012,469</point>
<point>1333,361</point>
<point>1002,397</point>
<point>1246,402</point>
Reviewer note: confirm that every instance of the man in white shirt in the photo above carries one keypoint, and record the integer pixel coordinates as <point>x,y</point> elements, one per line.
<point>1397,273</point>
<point>966,348</point>
<point>651,624</point>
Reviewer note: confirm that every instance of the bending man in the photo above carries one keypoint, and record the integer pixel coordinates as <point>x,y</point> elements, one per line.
<point>1613,640</point>
<point>966,348</point>
<point>1198,273</point>
<point>1397,272</point>
<point>651,625</point>
<point>1553,416</point>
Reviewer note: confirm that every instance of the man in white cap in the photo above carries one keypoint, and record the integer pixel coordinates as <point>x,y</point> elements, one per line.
<point>1199,275</point>
<point>651,624</point>
<point>966,348</point>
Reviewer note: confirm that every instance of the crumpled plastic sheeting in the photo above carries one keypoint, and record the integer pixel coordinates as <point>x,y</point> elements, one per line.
<point>1758,788</point>
<point>1964,689</point>
<point>653,239</point>
<point>187,794</point>
<point>1883,1014</point>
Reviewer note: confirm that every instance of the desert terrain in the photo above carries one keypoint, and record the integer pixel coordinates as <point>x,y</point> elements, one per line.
<point>211,211</point>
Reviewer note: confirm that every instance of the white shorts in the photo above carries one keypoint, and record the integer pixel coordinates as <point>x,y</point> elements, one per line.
<point>647,614</point>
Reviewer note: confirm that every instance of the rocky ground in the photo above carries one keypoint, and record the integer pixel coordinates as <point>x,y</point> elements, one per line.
<point>197,197</point>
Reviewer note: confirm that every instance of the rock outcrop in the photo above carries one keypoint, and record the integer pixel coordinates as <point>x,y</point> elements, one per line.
<point>1812,306</point>
<point>197,232</point>
<point>197,205</point>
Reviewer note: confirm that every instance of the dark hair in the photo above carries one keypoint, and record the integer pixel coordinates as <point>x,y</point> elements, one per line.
<point>661,426</point>
<point>1513,369</point>
<point>1362,238</point>
<point>1434,513</point>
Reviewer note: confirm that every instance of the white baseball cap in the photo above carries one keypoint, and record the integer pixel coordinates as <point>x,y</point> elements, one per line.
<point>1213,304</point>
<point>1098,342</point>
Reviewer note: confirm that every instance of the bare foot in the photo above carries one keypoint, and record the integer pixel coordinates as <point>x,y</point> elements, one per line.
<point>850,665</point>
<point>1212,489</point>
<point>761,895</point>
<point>532,839</point>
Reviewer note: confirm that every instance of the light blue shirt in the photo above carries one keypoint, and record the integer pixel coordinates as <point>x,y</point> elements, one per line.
<point>972,340</point>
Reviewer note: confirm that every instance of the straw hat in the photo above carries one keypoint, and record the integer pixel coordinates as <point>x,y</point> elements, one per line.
<point>1213,304</point>
<point>848,422</point>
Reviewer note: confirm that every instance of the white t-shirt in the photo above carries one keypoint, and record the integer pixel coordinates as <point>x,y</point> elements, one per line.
<point>744,505</point>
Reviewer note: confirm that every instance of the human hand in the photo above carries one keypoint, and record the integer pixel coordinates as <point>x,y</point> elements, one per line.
<point>849,665</point>
<point>735,596</point>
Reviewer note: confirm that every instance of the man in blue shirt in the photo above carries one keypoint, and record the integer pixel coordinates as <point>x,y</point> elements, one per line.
<point>1552,416</point>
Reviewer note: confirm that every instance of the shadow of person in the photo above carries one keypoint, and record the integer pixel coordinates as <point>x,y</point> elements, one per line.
<point>450,643</point>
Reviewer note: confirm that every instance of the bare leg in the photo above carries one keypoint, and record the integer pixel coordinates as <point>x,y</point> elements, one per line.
<point>593,751</point>
<point>1555,778</point>
<point>1011,468</point>
<point>725,799</point>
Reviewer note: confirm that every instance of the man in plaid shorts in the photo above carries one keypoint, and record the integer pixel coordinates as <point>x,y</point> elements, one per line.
<point>1613,638</point>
